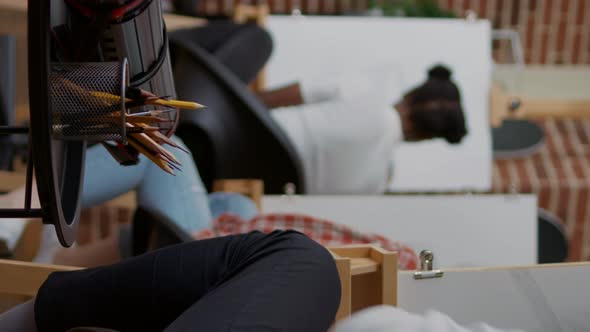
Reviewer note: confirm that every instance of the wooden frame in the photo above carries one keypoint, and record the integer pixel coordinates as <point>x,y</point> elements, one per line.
<point>10,181</point>
<point>24,278</point>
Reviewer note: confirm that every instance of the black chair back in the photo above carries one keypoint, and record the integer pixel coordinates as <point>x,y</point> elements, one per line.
<point>235,137</point>
<point>7,68</point>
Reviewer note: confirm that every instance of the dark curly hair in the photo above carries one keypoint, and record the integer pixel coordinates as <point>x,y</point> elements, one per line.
<point>435,107</point>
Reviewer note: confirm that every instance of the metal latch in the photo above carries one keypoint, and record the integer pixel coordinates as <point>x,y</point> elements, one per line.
<point>426,271</point>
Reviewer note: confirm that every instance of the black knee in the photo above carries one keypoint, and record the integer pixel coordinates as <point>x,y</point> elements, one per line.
<point>315,261</point>
<point>260,40</point>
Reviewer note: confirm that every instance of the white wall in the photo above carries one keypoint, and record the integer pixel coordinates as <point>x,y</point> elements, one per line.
<point>318,47</point>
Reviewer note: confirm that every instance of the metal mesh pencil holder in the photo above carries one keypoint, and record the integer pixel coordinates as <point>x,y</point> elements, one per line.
<point>88,101</point>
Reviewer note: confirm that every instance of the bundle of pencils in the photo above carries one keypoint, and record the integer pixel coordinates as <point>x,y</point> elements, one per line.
<point>149,144</point>
<point>142,136</point>
<point>98,114</point>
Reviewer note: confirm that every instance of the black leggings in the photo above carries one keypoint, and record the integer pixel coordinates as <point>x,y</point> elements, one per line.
<point>282,281</point>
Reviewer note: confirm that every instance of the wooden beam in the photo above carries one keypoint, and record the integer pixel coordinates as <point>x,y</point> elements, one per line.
<point>362,266</point>
<point>352,251</point>
<point>177,22</point>
<point>388,263</point>
<point>530,108</point>
<point>538,108</point>
<point>10,181</point>
<point>24,278</point>
<point>343,267</point>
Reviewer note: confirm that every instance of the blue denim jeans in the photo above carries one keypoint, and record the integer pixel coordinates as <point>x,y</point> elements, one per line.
<point>182,198</point>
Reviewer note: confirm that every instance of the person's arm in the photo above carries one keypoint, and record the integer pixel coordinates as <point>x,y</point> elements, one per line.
<point>300,93</point>
<point>289,95</point>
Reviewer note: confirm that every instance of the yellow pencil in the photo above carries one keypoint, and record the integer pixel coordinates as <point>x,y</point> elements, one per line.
<point>172,103</point>
<point>177,103</point>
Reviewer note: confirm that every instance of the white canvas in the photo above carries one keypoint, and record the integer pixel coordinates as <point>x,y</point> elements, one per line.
<point>461,230</point>
<point>320,48</point>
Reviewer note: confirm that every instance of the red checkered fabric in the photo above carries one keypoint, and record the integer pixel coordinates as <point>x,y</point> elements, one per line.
<point>323,231</point>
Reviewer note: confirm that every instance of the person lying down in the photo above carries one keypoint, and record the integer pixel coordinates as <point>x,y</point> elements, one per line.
<point>345,133</point>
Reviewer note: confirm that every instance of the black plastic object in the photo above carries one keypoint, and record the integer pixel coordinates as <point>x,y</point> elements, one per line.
<point>7,64</point>
<point>235,137</point>
<point>59,165</point>
<point>77,114</point>
<point>517,139</point>
<point>552,241</point>
<point>186,7</point>
<point>134,30</point>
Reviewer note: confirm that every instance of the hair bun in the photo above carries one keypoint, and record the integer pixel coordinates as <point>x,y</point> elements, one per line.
<point>440,72</point>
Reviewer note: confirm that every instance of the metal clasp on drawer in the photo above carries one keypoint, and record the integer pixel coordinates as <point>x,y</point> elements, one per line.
<point>426,271</point>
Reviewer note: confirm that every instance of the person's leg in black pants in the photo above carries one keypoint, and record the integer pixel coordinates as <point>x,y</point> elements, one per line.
<point>282,281</point>
<point>243,48</point>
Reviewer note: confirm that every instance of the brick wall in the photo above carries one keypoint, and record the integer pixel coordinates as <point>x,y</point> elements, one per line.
<point>552,31</point>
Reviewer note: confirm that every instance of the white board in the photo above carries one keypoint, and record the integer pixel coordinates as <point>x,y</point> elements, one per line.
<point>313,48</point>
<point>542,298</point>
<point>461,230</point>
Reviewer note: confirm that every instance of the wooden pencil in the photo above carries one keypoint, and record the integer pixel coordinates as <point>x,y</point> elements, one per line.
<point>146,113</point>
<point>188,105</point>
<point>145,119</point>
<point>158,135</point>
<point>150,143</point>
<point>159,162</point>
